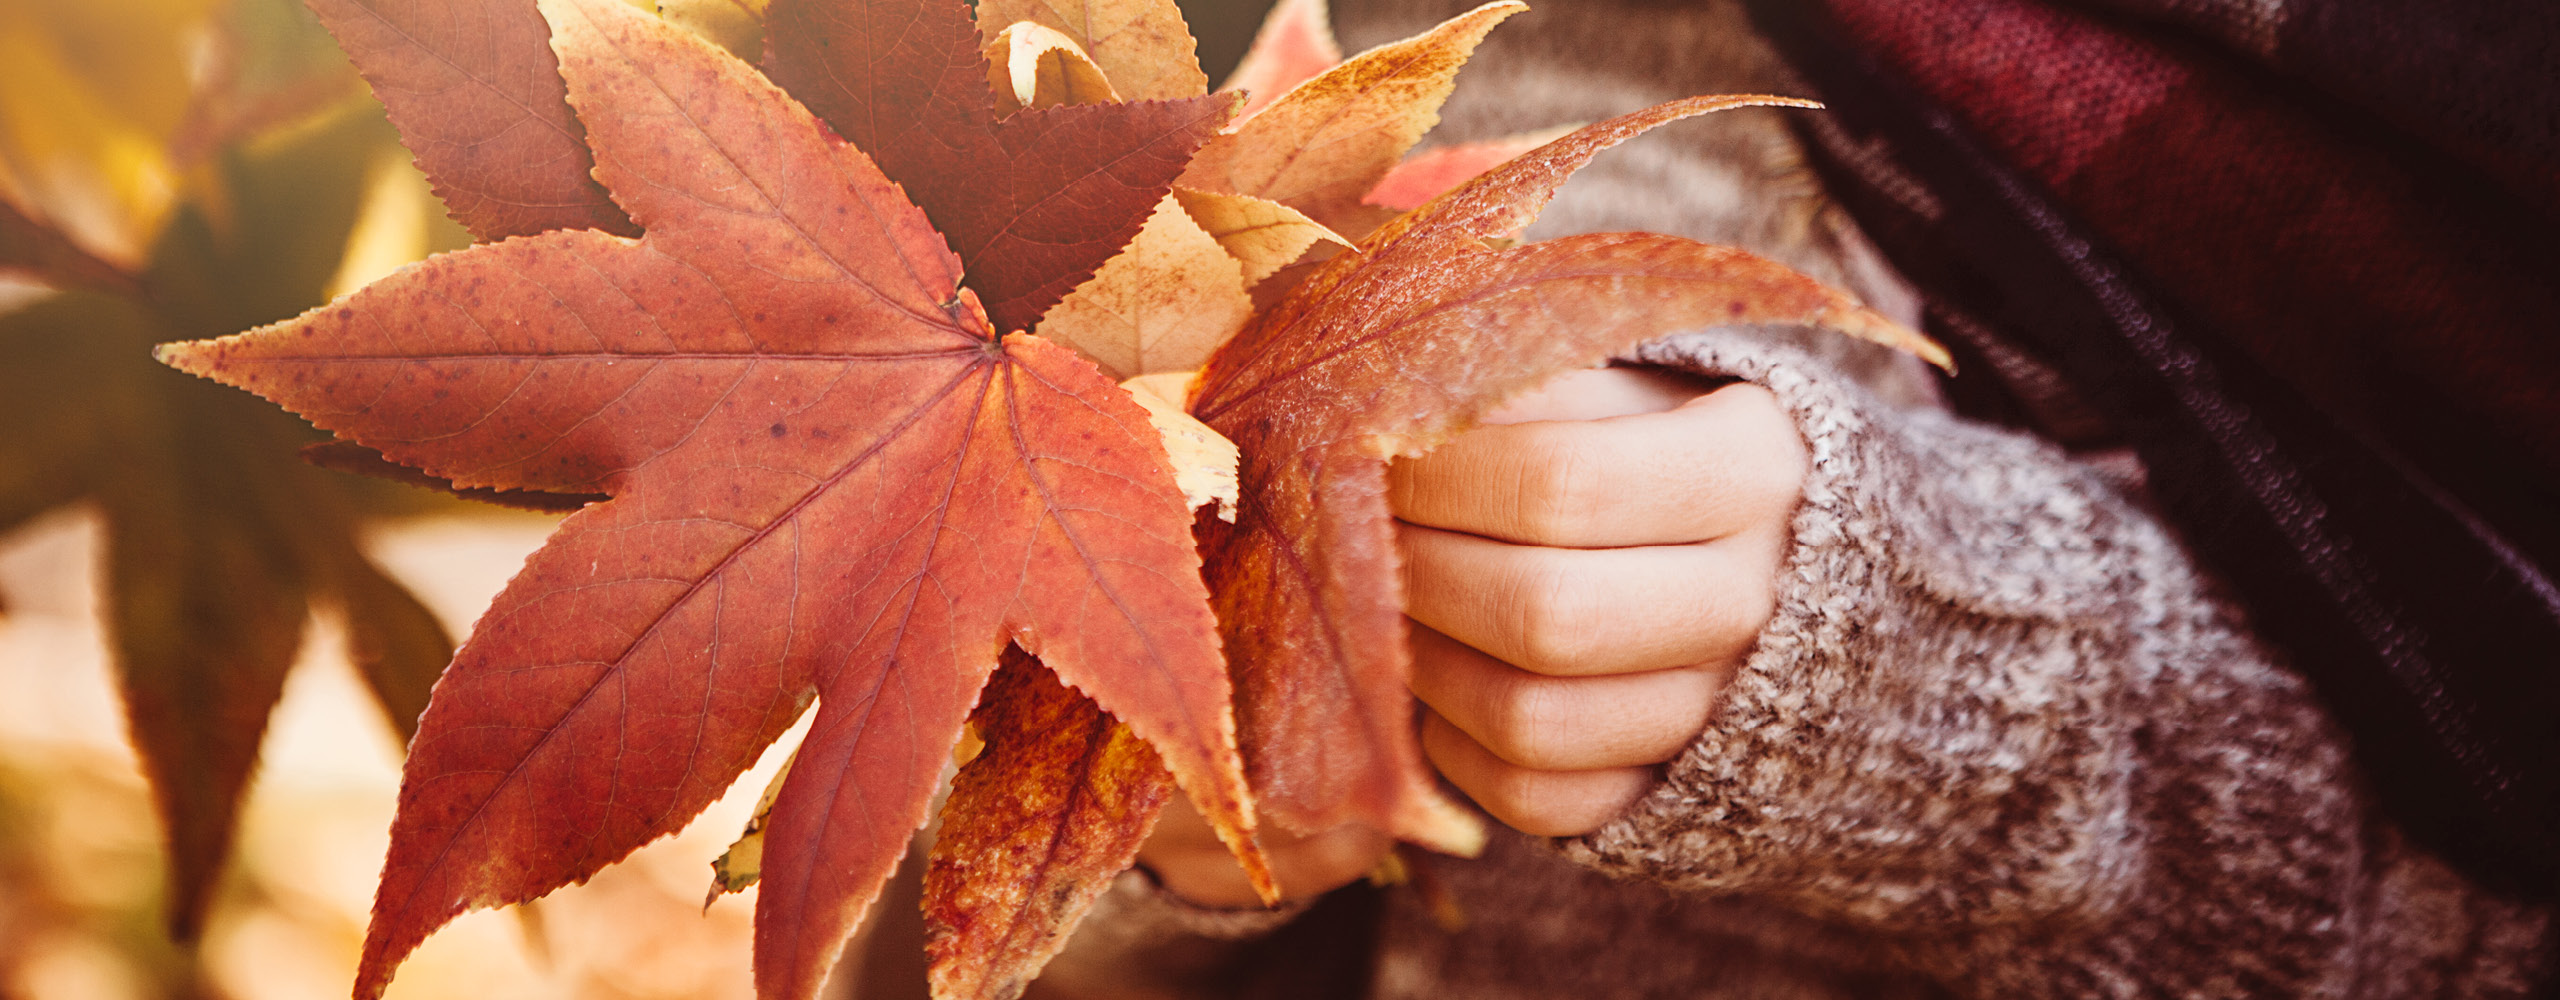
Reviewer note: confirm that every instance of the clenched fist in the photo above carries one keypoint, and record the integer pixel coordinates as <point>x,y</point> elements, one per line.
<point>1584,574</point>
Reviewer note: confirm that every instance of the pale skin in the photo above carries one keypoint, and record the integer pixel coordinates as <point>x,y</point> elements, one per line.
<point>1584,575</point>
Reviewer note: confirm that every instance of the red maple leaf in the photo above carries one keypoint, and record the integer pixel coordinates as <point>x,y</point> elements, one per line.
<point>829,476</point>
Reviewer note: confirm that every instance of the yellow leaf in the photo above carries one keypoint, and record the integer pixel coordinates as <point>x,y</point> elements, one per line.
<point>1321,147</point>
<point>1142,46</point>
<point>1204,461</point>
<point>1162,305</point>
<point>1031,65</point>
<point>1263,236</point>
<point>735,25</point>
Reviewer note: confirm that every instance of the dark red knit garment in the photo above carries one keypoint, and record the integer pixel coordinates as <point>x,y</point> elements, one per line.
<point>2304,255</point>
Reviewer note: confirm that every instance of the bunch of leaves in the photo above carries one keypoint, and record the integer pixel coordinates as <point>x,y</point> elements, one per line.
<point>841,345</point>
<point>219,544</point>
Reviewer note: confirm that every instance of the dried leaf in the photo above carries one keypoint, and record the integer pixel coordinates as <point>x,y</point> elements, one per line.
<point>1264,236</point>
<point>735,25</point>
<point>1143,46</point>
<point>476,93</point>
<point>1161,306</point>
<point>1032,204</point>
<point>1424,175</point>
<point>742,865</point>
<point>1385,352</point>
<point>1321,147</point>
<point>1294,46</point>
<point>1037,827</point>
<point>829,475</point>
<point>1204,461</point>
<point>1034,66</point>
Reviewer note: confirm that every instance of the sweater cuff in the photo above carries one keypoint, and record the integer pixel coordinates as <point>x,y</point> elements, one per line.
<point>1917,740</point>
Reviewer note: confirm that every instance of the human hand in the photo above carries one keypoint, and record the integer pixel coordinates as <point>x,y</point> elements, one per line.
<point>1584,578</point>
<point>1612,548</point>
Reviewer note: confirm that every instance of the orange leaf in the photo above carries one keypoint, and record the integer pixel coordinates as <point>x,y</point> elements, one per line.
<point>1322,146</point>
<point>1143,46</point>
<point>1294,45</point>
<point>1424,175</point>
<point>476,93</point>
<point>1032,203</point>
<point>829,475</point>
<point>1037,826</point>
<point>1161,306</point>
<point>1389,351</point>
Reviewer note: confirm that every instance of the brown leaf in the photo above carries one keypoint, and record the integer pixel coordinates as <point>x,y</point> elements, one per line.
<point>35,250</point>
<point>1294,45</point>
<point>1161,306</point>
<point>1036,828</point>
<point>1389,351</point>
<point>1034,66</point>
<point>829,475</point>
<point>476,93</point>
<point>1321,147</point>
<point>1032,204</point>
<point>1143,46</point>
<point>1263,236</point>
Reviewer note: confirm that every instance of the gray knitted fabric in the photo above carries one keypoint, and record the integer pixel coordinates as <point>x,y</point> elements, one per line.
<point>2001,739</point>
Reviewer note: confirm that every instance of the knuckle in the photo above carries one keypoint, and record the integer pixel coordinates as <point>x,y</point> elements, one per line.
<point>1548,619</point>
<point>1526,720</point>
<point>1556,483</point>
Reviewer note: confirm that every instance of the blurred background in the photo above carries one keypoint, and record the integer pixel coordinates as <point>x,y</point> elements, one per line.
<point>207,645</point>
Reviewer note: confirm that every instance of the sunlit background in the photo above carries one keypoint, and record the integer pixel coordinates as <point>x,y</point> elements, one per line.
<point>223,150</point>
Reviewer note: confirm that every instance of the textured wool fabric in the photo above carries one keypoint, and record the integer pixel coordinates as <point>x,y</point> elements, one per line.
<point>2325,336</point>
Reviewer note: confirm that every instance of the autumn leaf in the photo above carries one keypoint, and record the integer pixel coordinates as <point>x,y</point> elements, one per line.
<point>1162,306</point>
<point>1038,825</point>
<point>218,544</point>
<point>1322,146</point>
<point>1387,352</point>
<point>357,460</point>
<point>476,93</point>
<point>32,249</point>
<point>735,25</point>
<point>91,95</point>
<point>1035,66</point>
<point>1262,235</point>
<point>1294,45</point>
<point>1142,46</point>
<point>1033,203</point>
<point>830,478</point>
<point>1424,175</point>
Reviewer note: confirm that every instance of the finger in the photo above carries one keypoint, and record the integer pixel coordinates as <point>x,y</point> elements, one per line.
<point>1563,723</point>
<point>1599,393</point>
<point>1710,467</point>
<point>1188,859</point>
<point>1580,612</point>
<point>1542,803</point>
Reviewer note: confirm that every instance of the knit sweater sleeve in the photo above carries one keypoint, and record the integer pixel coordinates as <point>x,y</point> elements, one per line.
<point>2003,724</point>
